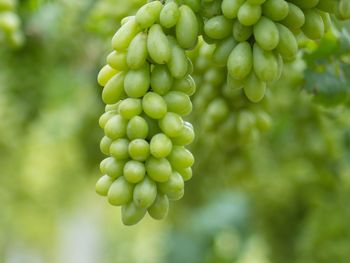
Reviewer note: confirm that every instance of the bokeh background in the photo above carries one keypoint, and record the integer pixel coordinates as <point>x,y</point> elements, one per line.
<point>278,196</point>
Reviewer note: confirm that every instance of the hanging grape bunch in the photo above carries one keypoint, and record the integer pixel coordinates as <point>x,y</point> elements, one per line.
<point>10,24</point>
<point>147,86</point>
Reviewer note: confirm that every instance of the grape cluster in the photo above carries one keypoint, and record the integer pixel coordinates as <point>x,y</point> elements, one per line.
<point>147,89</point>
<point>10,23</point>
<point>254,38</point>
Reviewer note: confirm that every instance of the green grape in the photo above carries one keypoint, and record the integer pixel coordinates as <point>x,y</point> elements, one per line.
<point>169,15</point>
<point>113,107</point>
<point>131,214</point>
<point>119,149</point>
<point>263,121</point>
<point>137,82</point>
<point>134,171</point>
<point>330,6</point>
<point>288,45</point>
<point>117,60</point>
<point>276,10</point>
<point>245,122</point>
<point>159,209</point>
<point>129,108</point>
<point>105,74</point>
<point>177,65</point>
<point>185,85</point>
<point>313,27</point>
<point>180,158</point>
<point>265,64</point>
<point>103,184</point>
<point>114,89</point>
<point>305,4</point>
<point>137,128</point>
<point>154,105</point>
<point>105,117</point>
<point>187,28</point>
<point>120,192</point>
<point>158,45</point>
<point>249,14</point>
<point>158,169</point>
<point>116,127</point>
<point>112,167</point>
<point>195,5</point>
<point>178,102</point>
<point>240,32</point>
<point>256,2</point>
<point>254,88</point>
<point>139,150</point>
<point>186,173</point>
<point>160,145</point>
<point>230,8</point>
<point>223,50</point>
<point>125,35</point>
<point>218,27</point>
<point>295,18</point>
<point>186,135</point>
<point>266,34</point>
<point>240,61</point>
<point>171,124</point>
<point>145,193</point>
<point>174,187</point>
<point>161,79</point>
<point>105,144</point>
<point>137,51</point>
<point>148,14</point>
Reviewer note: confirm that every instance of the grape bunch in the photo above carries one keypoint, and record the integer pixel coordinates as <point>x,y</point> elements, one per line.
<point>10,24</point>
<point>147,87</point>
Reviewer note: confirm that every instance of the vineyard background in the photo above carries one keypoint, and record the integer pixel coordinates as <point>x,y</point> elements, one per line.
<point>279,197</point>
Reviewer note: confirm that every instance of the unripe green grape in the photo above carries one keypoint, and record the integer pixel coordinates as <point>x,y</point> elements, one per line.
<point>103,184</point>
<point>177,65</point>
<point>119,149</point>
<point>240,32</point>
<point>126,19</point>
<point>131,214</point>
<point>134,171</point>
<point>116,127</point>
<point>154,105</point>
<point>186,173</point>
<point>129,107</point>
<point>158,45</point>
<point>240,61</point>
<point>330,6</point>
<point>112,167</point>
<point>145,193</point>
<point>137,82</point>
<point>265,64</point>
<point>305,4</point>
<point>139,150</point>
<point>171,124</point>
<point>112,107</point>
<point>117,60</point>
<point>263,121</point>
<point>186,135</point>
<point>180,158</point>
<point>185,85</point>
<point>195,5</point>
<point>210,9</point>
<point>266,34</point>
<point>245,122</point>
<point>148,14</point>
<point>137,128</point>
<point>275,9</point>
<point>217,110</point>
<point>230,8</point>
<point>105,118</point>
<point>169,15</point>
<point>295,18</point>
<point>158,169</point>
<point>178,102</point>
<point>137,51</point>
<point>125,35</point>
<point>254,88</point>
<point>174,187</point>
<point>105,144</point>
<point>314,26</point>
<point>233,84</point>
<point>249,14</point>
<point>105,74</point>
<point>160,145</point>
<point>288,45</point>
<point>223,50</point>
<point>159,209</point>
<point>161,79</point>
<point>218,27</point>
<point>187,28</point>
<point>114,89</point>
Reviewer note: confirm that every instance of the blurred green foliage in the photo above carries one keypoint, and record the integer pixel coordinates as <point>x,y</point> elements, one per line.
<point>283,198</point>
